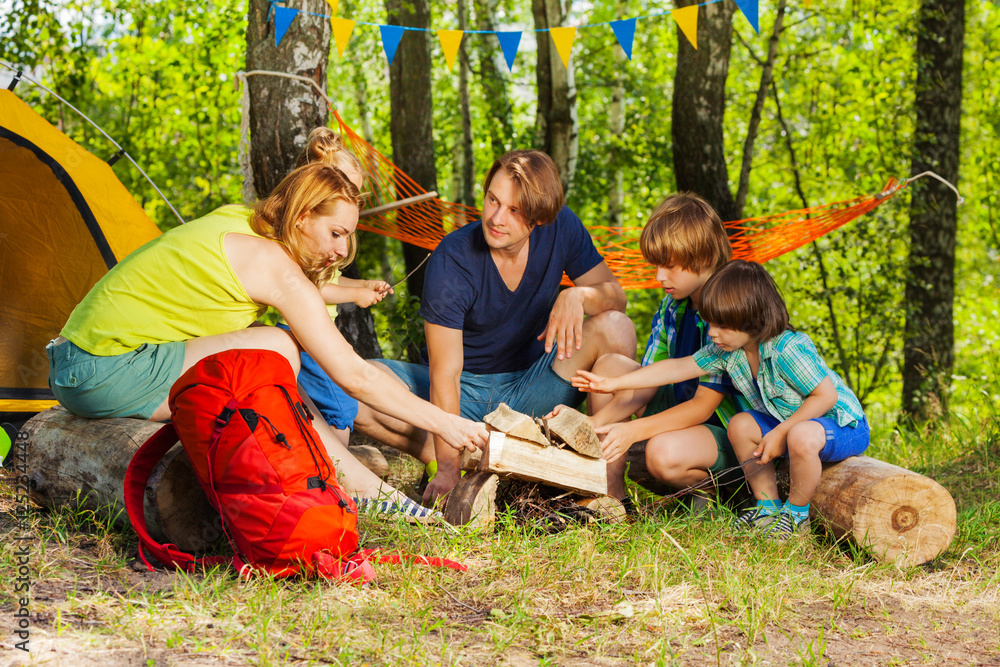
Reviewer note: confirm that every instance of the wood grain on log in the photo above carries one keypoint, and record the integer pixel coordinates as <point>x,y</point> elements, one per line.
<point>563,468</point>
<point>516,424</point>
<point>473,501</point>
<point>895,514</point>
<point>75,460</point>
<point>575,430</point>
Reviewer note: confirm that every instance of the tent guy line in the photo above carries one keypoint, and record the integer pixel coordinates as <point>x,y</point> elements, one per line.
<point>19,74</point>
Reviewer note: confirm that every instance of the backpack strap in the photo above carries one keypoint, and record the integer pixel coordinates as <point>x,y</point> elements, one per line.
<point>136,476</point>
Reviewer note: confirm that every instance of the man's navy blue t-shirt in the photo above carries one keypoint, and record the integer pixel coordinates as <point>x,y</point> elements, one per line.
<point>463,290</point>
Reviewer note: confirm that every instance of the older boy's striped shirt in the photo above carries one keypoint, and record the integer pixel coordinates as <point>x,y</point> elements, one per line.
<point>678,331</point>
<point>790,369</point>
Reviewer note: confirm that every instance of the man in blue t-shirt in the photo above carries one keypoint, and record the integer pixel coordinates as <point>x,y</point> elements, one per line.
<point>498,327</point>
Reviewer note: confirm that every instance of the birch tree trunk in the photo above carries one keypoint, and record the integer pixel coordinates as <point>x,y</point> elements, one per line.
<point>283,111</point>
<point>492,78</point>
<point>929,335</point>
<point>556,130</point>
<point>699,106</point>
<point>465,165</point>
<point>411,106</point>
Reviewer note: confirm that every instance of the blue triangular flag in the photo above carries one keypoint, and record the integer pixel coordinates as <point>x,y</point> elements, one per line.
<point>625,32</point>
<point>283,17</point>
<point>391,34</point>
<point>509,41</point>
<point>750,10</point>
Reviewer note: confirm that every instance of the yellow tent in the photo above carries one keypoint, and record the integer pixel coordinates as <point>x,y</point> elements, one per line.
<point>65,219</point>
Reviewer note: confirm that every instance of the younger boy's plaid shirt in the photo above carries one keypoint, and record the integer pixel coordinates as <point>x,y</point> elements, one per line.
<point>790,369</point>
<point>662,344</point>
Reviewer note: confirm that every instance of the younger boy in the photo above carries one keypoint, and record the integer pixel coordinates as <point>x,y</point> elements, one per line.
<point>684,424</point>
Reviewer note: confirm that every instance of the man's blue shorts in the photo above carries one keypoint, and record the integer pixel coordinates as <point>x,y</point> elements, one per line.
<point>338,409</point>
<point>533,391</point>
<point>841,441</point>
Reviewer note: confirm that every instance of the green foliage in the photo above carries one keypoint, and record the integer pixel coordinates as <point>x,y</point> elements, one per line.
<point>159,78</point>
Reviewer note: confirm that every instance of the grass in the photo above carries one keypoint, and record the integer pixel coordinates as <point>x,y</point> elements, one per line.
<point>667,590</point>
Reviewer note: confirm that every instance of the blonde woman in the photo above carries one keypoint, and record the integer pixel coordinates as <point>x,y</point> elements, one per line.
<point>197,289</point>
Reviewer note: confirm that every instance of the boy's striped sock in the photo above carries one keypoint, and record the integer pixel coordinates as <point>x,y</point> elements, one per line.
<point>406,508</point>
<point>769,507</point>
<point>798,512</point>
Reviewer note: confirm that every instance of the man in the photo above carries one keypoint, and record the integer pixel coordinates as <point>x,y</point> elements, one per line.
<point>498,327</point>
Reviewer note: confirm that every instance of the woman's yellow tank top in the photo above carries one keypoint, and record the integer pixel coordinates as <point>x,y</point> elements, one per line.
<point>176,287</point>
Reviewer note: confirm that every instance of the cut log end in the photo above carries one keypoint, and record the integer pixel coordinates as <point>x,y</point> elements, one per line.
<point>607,509</point>
<point>575,430</point>
<point>473,501</point>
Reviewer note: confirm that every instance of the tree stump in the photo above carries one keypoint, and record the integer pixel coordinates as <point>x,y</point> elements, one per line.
<point>473,501</point>
<point>75,460</point>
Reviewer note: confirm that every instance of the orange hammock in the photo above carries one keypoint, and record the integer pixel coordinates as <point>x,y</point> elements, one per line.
<point>425,223</point>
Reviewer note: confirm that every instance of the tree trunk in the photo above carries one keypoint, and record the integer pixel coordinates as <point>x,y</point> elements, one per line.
<point>283,111</point>
<point>466,164</point>
<point>357,324</point>
<point>616,196</point>
<point>491,78</point>
<point>555,126</point>
<point>411,106</point>
<point>699,106</point>
<point>929,336</point>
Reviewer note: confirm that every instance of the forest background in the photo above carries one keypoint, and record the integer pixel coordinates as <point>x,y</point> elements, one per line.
<point>837,122</point>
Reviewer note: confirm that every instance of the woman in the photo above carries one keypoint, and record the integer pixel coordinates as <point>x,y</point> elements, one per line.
<point>196,291</point>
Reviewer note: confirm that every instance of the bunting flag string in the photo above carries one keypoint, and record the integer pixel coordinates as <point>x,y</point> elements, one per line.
<point>562,37</point>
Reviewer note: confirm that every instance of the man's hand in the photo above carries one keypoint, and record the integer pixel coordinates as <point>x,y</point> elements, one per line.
<point>442,484</point>
<point>617,440</point>
<point>565,325</point>
<point>593,383</point>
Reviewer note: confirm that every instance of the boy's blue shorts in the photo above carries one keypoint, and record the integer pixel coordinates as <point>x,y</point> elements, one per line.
<point>841,441</point>
<point>533,391</point>
<point>338,409</point>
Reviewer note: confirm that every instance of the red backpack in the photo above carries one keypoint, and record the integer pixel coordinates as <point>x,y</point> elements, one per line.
<point>262,466</point>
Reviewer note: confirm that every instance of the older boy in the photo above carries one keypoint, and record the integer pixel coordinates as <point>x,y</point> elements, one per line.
<point>683,424</point>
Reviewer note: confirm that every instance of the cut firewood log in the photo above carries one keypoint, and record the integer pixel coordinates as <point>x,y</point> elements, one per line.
<point>562,468</point>
<point>81,462</point>
<point>895,514</point>
<point>575,430</point>
<point>607,509</point>
<point>473,501</point>
<point>516,424</point>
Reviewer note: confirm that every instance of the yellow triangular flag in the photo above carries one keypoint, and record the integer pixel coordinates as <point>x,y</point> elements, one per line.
<point>342,29</point>
<point>450,41</point>
<point>687,21</point>
<point>333,7</point>
<point>563,37</point>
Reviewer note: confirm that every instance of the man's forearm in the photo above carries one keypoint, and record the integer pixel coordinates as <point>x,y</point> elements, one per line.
<point>445,394</point>
<point>603,296</point>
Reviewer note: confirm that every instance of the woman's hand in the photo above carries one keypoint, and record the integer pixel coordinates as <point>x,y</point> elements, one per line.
<point>461,433</point>
<point>367,296</point>
<point>591,382</point>
<point>617,440</point>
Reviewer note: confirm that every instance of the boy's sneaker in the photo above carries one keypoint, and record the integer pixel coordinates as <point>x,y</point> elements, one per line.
<point>754,519</point>
<point>786,527</point>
